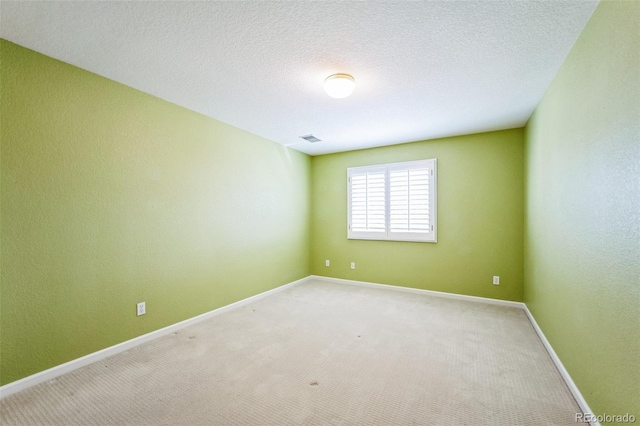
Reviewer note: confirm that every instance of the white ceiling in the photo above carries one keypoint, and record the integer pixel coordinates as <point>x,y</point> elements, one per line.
<point>423,69</point>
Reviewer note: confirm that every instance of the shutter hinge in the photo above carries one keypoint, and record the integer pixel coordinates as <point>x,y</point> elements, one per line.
<point>431,172</point>
<point>431,228</point>
<point>349,226</point>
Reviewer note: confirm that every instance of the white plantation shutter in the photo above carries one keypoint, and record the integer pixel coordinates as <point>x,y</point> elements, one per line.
<point>393,201</point>
<point>409,198</point>
<point>368,210</point>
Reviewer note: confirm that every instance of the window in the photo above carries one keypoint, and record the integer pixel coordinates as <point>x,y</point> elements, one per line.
<point>392,201</point>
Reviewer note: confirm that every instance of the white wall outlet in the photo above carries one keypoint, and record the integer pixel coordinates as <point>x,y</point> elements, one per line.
<point>496,280</point>
<point>141,308</point>
<point>327,263</point>
<point>353,265</point>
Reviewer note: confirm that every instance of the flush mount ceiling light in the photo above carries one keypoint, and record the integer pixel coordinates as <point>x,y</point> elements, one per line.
<point>339,85</point>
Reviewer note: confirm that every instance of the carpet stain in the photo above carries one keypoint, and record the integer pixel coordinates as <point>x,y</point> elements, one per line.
<point>192,337</point>
<point>313,384</point>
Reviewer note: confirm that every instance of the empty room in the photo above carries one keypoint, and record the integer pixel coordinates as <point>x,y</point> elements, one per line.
<point>319,212</point>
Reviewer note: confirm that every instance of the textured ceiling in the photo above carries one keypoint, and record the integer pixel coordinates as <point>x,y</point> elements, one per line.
<point>423,69</point>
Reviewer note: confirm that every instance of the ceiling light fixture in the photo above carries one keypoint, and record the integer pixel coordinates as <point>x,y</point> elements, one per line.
<point>339,85</point>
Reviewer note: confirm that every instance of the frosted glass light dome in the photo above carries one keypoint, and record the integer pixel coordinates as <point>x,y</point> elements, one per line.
<point>339,85</point>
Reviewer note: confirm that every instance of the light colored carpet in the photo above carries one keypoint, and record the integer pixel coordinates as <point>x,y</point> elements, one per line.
<point>320,354</point>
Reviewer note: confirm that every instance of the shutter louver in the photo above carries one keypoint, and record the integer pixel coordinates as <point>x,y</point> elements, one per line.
<point>409,200</point>
<point>368,202</point>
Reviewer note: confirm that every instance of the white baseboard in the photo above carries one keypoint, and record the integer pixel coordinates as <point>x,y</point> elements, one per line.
<point>582,403</point>
<point>420,291</point>
<point>51,373</point>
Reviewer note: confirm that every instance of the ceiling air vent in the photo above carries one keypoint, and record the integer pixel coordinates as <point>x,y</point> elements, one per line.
<point>310,138</point>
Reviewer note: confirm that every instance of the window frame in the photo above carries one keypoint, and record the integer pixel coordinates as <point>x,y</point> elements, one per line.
<point>425,237</point>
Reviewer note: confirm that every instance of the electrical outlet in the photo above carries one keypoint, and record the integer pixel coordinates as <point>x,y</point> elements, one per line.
<point>326,263</point>
<point>353,265</point>
<point>141,308</point>
<point>496,280</point>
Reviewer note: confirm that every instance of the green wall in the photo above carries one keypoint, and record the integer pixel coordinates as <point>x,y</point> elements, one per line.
<point>110,197</point>
<point>480,218</point>
<point>582,235</point>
